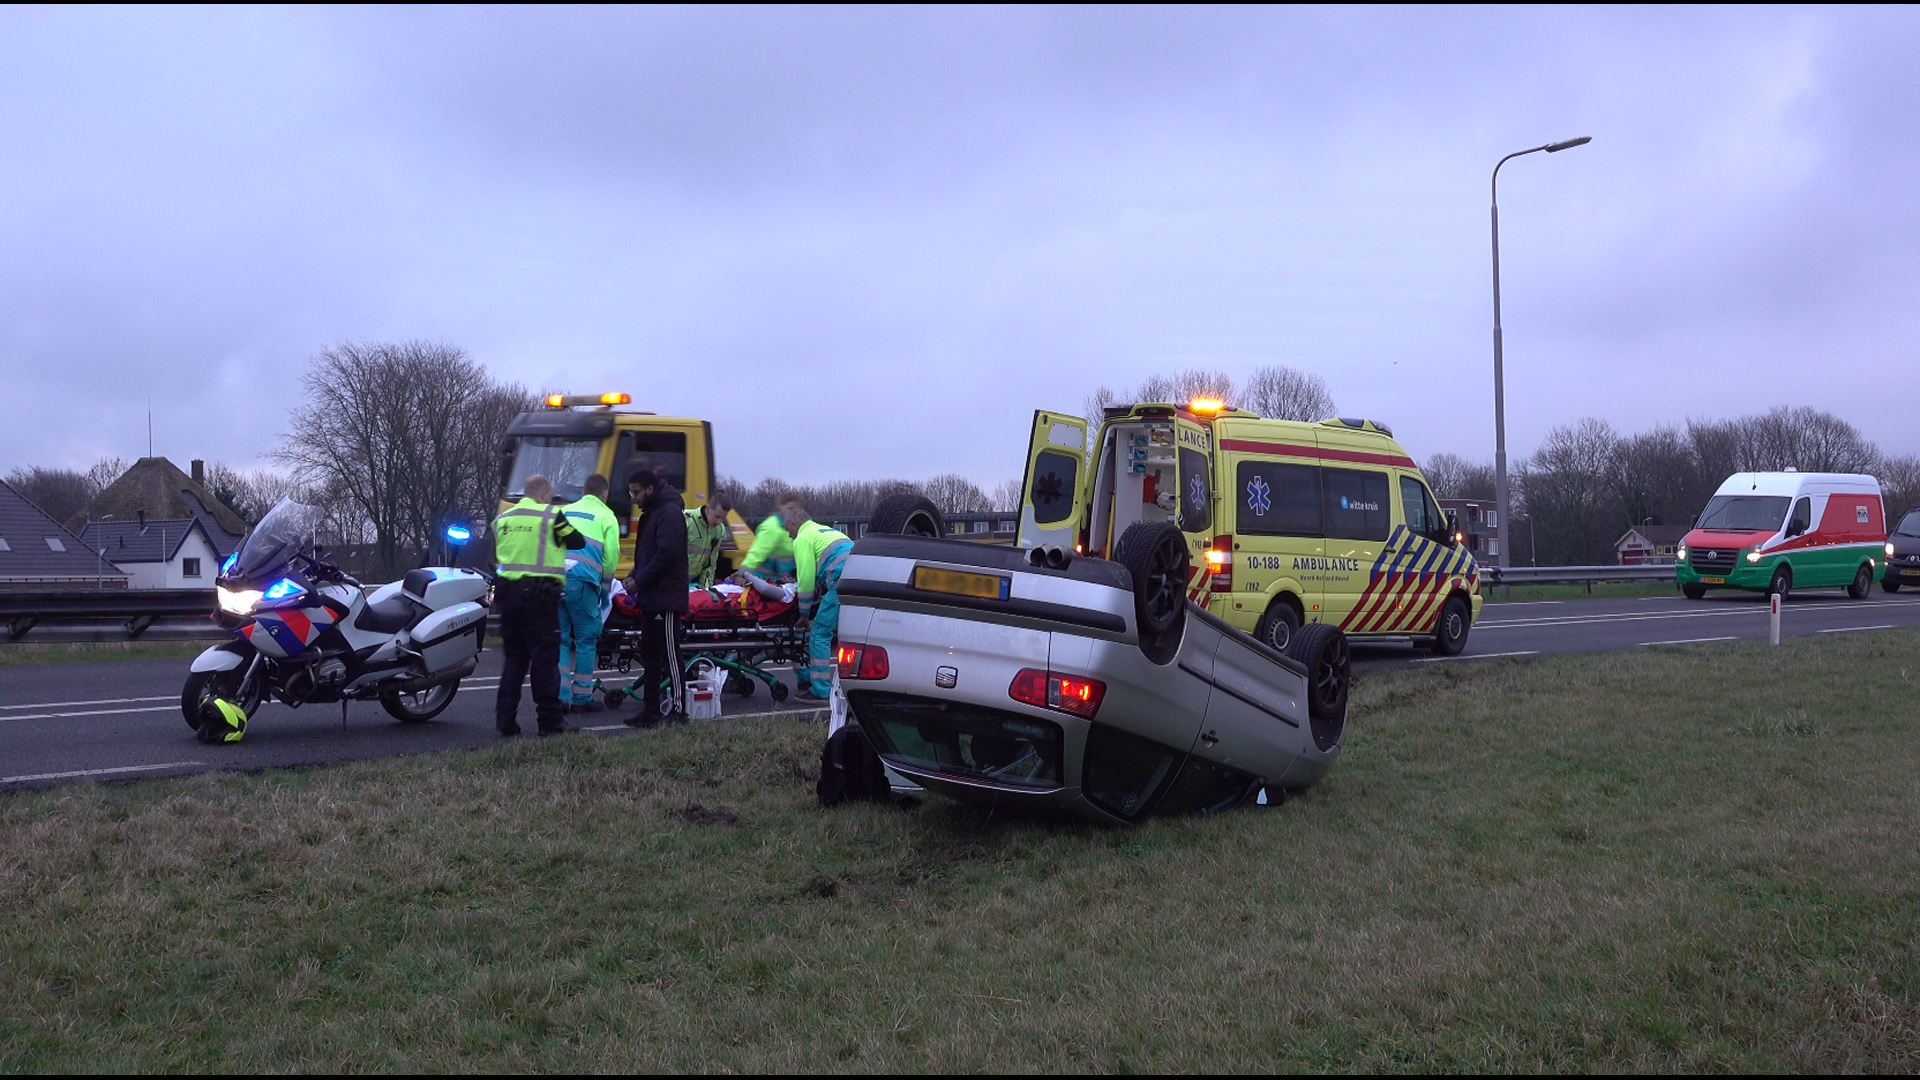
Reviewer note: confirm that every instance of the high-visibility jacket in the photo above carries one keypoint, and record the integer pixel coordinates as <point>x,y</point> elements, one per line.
<point>703,547</point>
<point>811,546</point>
<point>531,540</point>
<point>602,532</point>
<point>770,541</point>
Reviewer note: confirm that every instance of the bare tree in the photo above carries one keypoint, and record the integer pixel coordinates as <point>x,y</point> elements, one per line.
<point>1569,492</point>
<point>405,435</point>
<point>1006,494</point>
<point>249,493</point>
<point>64,493</point>
<point>1454,477</point>
<point>1899,485</point>
<point>1281,393</point>
<point>955,494</point>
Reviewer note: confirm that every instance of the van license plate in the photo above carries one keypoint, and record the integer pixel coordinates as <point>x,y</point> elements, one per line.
<point>1713,581</point>
<point>959,583</point>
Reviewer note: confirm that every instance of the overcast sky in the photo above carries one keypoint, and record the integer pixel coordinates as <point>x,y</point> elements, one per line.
<point>869,242</point>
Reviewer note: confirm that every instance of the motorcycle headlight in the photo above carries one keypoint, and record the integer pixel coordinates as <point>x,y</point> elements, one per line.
<point>238,601</point>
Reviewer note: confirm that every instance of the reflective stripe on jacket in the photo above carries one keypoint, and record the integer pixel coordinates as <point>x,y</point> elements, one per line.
<point>703,547</point>
<point>812,549</point>
<point>602,531</point>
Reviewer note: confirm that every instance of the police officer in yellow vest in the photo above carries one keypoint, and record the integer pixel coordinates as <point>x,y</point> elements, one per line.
<point>589,573</point>
<point>531,542</point>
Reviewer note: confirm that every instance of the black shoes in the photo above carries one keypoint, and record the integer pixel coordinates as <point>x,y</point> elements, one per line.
<point>587,707</point>
<point>508,732</point>
<point>560,729</point>
<point>805,693</point>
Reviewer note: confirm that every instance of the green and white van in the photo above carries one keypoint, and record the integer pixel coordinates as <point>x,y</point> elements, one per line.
<point>1779,531</point>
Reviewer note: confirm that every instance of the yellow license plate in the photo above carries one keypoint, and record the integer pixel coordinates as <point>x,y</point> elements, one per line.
<point>1713,581</point>
<point>959,583</point>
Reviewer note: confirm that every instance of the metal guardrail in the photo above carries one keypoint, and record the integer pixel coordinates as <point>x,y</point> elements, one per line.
<point>1545,575</point>
<point>113,613</point>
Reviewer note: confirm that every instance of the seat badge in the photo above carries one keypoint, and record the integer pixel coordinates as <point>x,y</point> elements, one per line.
<point>946,678</point>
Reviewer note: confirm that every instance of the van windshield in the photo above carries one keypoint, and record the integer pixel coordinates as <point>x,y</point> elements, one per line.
<point>1744,513</point>
<point>1909,525</point>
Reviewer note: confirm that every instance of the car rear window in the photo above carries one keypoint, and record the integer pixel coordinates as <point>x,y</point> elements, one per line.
<point>959,739</point>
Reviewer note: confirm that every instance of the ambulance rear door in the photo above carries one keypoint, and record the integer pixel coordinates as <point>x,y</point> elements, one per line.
<point>1053,494</point>
<point>1193,458</point>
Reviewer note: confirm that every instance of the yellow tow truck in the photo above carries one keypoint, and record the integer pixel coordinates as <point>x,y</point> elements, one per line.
<point>577,435</point>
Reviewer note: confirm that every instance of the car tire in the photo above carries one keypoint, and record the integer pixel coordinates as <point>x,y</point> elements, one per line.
<point>1278,626</point>
<point>1782,583</point>
<point>1693,592</point>
<point>1322,649</point>
<point>1451,626</point>
<point>1862,586</point>
<point>418,708</point>
<point>906,514</point>
<point>1156,557</point>
<point>1890,586</point>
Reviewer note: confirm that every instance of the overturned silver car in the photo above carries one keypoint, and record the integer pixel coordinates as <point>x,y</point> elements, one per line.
<point>1035,677</point>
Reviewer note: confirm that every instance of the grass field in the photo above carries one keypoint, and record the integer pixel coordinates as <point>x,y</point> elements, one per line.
<point>1690,858</point>
<point>1601,590</point>
<point>57,652</point>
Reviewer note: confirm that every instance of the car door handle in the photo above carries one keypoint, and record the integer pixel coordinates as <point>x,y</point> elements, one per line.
<point>1210,738</point>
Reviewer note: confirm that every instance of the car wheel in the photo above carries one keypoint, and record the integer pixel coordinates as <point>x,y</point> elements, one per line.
<point>1693,592</point>
<point>1890,586</point>
<point>1156,557</point>
<point>421,705</point>
<point>1278,626</point>
<point>906,514</point>
<point>1450,628</point>
<point>1322,649</point>
<point>1782,582</point>
<point>1862,586</point>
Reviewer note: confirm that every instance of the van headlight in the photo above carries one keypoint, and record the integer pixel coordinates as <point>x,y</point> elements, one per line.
<point>238,601</point>
<point>1682,552</point>
<point>1889,549</point>
<point>1753,556</point>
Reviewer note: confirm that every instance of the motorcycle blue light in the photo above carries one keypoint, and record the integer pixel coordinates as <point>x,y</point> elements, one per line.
<point>459,534</point>
<point>227,567</point>
<point>283,588</point>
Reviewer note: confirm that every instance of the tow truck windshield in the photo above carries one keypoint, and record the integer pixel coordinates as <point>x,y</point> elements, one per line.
<point>1744,513</point>
<point>566,462</point>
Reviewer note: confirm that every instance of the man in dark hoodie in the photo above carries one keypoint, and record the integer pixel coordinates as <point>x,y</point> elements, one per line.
<point>659,588</point>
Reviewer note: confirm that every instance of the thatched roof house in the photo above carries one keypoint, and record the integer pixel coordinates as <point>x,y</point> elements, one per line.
<point>156,488</point>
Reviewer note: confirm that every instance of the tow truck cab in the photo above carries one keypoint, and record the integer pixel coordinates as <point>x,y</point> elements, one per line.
<point>577,435</point>
<point>1289,522</point>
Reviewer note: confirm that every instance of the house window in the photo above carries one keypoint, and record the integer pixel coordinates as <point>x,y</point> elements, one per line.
<point>54,544</point>
<point>189,567</point>
<point>1493,519</point>
<point>1493,548</point>
<point>1005,525</point>
<point>982,526</point>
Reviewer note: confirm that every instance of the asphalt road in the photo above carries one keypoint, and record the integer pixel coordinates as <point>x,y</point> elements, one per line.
<point>121,719</point>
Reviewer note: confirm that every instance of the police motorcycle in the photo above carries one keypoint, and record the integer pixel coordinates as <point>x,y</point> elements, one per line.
<point>306,633</point>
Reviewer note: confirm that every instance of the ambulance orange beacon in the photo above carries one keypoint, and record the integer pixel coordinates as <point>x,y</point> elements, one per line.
<point>1780,531</point>
<point>1290,523</point>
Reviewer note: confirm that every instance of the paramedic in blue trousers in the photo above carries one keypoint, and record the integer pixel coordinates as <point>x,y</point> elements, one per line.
<point>819,554</point>
<point>589,575</point>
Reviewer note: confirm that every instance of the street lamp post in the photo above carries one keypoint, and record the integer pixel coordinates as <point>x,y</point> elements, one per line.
<point>1499,362</point>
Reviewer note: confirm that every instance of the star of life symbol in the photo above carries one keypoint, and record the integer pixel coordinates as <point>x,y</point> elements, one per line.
<point>1197,491</point>
<point>1258,499</point>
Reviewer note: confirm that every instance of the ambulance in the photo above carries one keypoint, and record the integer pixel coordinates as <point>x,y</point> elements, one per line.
<point>577,435</point>
<point>1288,523</point>
<point>1780,531</point>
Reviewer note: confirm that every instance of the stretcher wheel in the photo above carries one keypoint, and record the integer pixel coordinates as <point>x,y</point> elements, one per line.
<point>779,691</point>
<point>613,698</point>
<point>738,684</point>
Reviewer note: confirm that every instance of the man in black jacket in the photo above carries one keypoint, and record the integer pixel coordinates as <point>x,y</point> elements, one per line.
<point>659,588</point>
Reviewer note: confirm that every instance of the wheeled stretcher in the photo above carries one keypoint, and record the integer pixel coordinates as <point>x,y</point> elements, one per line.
<point>744,632</point>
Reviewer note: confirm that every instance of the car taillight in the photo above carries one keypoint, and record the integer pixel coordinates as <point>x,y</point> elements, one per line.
<point>862,662</point>
<point>1052,690</point>
<point>1220,564</point>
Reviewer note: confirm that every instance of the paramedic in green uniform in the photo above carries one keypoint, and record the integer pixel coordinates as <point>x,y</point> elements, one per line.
<point>706,532</point>
<point>589,574</point>
<point>819,554</point>
<point>771,556</point>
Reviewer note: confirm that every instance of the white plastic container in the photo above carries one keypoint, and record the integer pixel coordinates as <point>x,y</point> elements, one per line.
<point>703,693</point>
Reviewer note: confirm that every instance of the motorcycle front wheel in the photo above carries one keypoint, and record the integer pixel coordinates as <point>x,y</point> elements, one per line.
<point>204,685</point>
<point>421,705</point>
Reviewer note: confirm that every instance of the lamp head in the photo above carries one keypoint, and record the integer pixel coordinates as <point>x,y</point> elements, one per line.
<point>1568,144</point>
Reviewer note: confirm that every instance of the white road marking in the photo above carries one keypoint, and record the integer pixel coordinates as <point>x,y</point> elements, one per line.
<point>100,701</point>
<point>1588,620</point>
<point>1688,641</point>
<point>605,727</point>
<point>1476,656</point>
<point>1523,603</point>
<point>94,712</point>
<point>95,772</point>
<point>1851,629</point>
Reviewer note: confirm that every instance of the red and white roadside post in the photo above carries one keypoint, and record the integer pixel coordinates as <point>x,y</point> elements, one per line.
<point>1774,603</point>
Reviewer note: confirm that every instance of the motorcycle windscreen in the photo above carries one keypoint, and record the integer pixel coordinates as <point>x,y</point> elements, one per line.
<point>1053,495</point>
<point>288,527</point>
